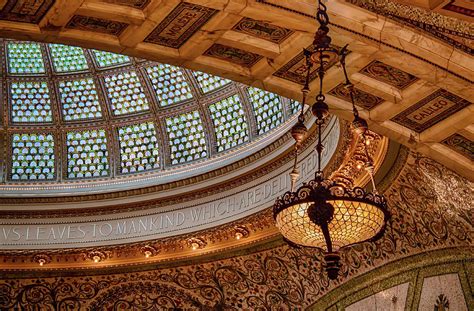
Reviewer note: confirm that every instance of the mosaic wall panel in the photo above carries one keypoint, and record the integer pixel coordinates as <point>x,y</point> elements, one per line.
<point>383,300</point>
<point>230,124</point>
<point>180,25</point>
<point>267,107</point>
<point>362,99</point>
<point>32,157</point>
<point>460,144</point>
<point>442,293</point>
<point>431,110</point>
<point>26,11</point>
<point>233,55</point>
<point>106,59</point>
<point>79,100</point>
<point>186,137</point>
<point>295,69</point>
<point>30,102</point>
<point>169,84</point>
<point>138,148</point>
<point>126,93</point>
<point>88,23</point>
<point>281,277</point>
<point>388,74</point>
<point>262,30</point>
<point>25,58</point>
<point>67,58</point>
<point>208,83</point>
<point>87,154</point>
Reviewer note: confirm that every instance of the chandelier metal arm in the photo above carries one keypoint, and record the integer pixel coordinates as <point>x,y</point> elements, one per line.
<point>319,150</point>
<point>348,84</point>
<point>305,89</point>
<point>360,125</point>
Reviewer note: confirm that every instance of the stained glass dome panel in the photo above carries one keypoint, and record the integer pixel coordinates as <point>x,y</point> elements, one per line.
<point>126,93</point>
<point>25,58</point>
<point>67,58</point>
<point>32,157</point>
<point>139,149</point>
<point>230,123</point>
<point>87,154</point>
<point>107,59</point>
<point>208,83</point>
<point>186,137</point>
<point>30,102</point>
<point>169,84</point>
<point>79,99</point>
<point>268,109</point>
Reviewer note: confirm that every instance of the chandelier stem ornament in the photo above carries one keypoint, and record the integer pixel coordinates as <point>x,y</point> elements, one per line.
<point>360,125</point>
<point>322,213</point>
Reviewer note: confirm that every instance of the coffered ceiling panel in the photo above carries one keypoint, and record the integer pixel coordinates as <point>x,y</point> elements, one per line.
<point>429,111</point>
<point>180,25</point>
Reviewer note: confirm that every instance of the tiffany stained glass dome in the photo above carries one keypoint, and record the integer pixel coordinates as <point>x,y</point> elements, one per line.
<point>84,119</point>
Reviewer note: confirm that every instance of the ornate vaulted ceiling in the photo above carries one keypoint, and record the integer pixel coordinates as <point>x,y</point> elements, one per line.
<point>413,68</point>
<point>412,64</point>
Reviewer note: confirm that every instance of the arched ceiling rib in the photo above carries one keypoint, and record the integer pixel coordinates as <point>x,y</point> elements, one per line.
<point>414,87</point>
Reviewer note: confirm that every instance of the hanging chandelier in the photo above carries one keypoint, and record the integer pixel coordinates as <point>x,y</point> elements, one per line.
<point>322,213</point>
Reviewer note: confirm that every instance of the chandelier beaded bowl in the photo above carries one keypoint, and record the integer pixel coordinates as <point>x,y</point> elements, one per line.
<point>322,213</point>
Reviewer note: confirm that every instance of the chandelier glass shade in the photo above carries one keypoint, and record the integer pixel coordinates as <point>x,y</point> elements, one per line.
<point>357,216</point>
<point>322,213</point>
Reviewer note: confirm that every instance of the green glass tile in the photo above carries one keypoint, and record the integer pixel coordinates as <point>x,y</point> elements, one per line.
<point>295,106</point>
<point>169,84</point>
<point>67,58</point>
<point>32,156</point>
<point>186,137</point>
<point>25,58</point>
<point>230,124</point>
<point>138,148</point>
<point>30,102</point>
<point>87,154</point>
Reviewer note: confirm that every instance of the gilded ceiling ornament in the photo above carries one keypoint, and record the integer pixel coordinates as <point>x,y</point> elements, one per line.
<point>241,232</point>
<point>42,259</point>
<point>97,256</point>
<point>196,243</point>
<point>149,251</point>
